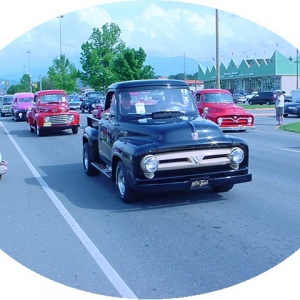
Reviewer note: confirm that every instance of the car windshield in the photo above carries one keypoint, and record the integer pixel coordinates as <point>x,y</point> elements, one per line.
<point>26,99</point>
<point>7,100</point>
<point>217,98</point>
<point>146,102</point>
<point>95,96</point>
<point>53,98</point>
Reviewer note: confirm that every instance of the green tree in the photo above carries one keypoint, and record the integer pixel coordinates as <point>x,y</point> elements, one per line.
<point>63,74</point>
<point>129,65</point>
<point>97,56</point>
<point>105,59</point>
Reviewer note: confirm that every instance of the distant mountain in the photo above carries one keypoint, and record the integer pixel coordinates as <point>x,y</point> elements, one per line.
<point>166,66</point>
<point>163,66</point>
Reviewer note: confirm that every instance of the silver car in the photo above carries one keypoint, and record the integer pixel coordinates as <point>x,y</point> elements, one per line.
<point>239,98</point>
<point>5,105</point>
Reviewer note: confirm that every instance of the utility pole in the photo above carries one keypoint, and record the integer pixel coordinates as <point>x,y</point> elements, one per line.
<point>184,67</point>
<point>30,83</point>
<point>217,52</point>
<point>60,52</point>
<point>297,62</point>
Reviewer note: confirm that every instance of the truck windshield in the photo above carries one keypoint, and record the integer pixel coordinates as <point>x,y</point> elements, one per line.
<point>144,102</point>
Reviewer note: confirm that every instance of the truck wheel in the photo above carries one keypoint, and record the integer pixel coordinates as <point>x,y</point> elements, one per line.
<point>126,194</point>
<point>30,128</point>
<point>222,188</point>
<point>86,157</point>
<point>39,131</point>
<point>74,130</point>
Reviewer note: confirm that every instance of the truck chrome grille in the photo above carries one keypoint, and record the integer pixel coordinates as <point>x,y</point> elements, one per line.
<point>59,119</point>
<point>193,159</point>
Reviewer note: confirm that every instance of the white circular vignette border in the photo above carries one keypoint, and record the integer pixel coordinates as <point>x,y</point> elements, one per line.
<point>18,282</point>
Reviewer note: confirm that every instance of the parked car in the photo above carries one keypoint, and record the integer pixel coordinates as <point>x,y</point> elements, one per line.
<point>5,105</point>
<point>250,95</point>
<point>20,105</point>
<point>292,108</point>
<point>239,98</point>
<point>217,105</point>
<point>50,111</point>
<point>263,98</point>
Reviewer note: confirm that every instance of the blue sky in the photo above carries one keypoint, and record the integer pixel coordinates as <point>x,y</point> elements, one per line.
<point>162,29</point>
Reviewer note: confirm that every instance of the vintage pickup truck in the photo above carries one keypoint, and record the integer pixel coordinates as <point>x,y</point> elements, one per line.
<point>158,142</point>
<point>221,109</point>
<point>50,111</point>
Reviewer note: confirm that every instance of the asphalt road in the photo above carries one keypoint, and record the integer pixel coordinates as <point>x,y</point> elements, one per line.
<point>73,229</point>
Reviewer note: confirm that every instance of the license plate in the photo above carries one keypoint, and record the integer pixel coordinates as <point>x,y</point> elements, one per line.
<point>195,184</point>
<point>47,124</point>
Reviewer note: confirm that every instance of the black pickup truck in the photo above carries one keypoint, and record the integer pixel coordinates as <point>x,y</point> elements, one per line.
<point>153,139</point>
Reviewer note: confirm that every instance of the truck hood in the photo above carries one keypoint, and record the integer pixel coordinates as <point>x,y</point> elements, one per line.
<point>225,109</point>
<point>23,105</point>
<point>179,134</point>
<point>53,107</point>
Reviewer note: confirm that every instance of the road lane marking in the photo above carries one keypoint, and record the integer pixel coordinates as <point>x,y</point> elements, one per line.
<point>101,261</point>
<point>285,149</point>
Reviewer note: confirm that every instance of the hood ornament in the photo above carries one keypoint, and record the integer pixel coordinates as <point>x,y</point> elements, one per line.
<point>196,159</point>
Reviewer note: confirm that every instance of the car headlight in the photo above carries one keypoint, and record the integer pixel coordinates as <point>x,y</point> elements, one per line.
<point>149,165</point>
<point>220,121</point>
<point>71,118</point>
<point>249,120</point>
<point>236,157</point>
<point>47,119</point>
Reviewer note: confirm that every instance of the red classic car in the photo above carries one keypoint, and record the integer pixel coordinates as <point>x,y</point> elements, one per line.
<point>50,111</point>
<point>217,105</point>
<point>20,105</point>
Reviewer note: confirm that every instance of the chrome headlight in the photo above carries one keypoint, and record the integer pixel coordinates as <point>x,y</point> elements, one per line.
<point>249,120</point>
<point>237,155</point>
<point>149,165</point>
<point>71,118</point>
<point>220,121</point>
<point>47,119</point>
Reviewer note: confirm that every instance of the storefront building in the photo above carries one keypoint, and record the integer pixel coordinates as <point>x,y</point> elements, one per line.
<point>276,73</point>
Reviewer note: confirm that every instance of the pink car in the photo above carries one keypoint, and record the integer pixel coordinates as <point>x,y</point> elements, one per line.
<point>20,105</point>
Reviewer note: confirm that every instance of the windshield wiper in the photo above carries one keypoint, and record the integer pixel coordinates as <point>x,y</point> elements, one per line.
<point>167,114</point>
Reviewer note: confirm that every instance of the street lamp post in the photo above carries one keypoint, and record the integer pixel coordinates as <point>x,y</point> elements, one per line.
<point>30,84</point>
<point>60,52</point>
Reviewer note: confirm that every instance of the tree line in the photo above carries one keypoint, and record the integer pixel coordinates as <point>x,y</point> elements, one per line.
<point>104,59</point>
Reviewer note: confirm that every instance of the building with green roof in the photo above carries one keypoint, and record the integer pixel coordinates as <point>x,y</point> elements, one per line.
<point>276,73</point>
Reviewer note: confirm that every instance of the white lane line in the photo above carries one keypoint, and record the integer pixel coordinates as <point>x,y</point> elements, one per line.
<point>101,261</point>
<point>285,149</point>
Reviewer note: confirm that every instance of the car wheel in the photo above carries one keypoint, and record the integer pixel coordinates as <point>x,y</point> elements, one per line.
<point>298,113</point>
<point>29,126</point>
<point>285,115</point>
<point>250,102</point>
<point>126,194</point>
<point>222,188</point>
<point>86,158</point>
<point>39,131</point>
<point>82,110</point>
<point>268,103</point>
<point>74,130</point>
<point>2,114</point>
